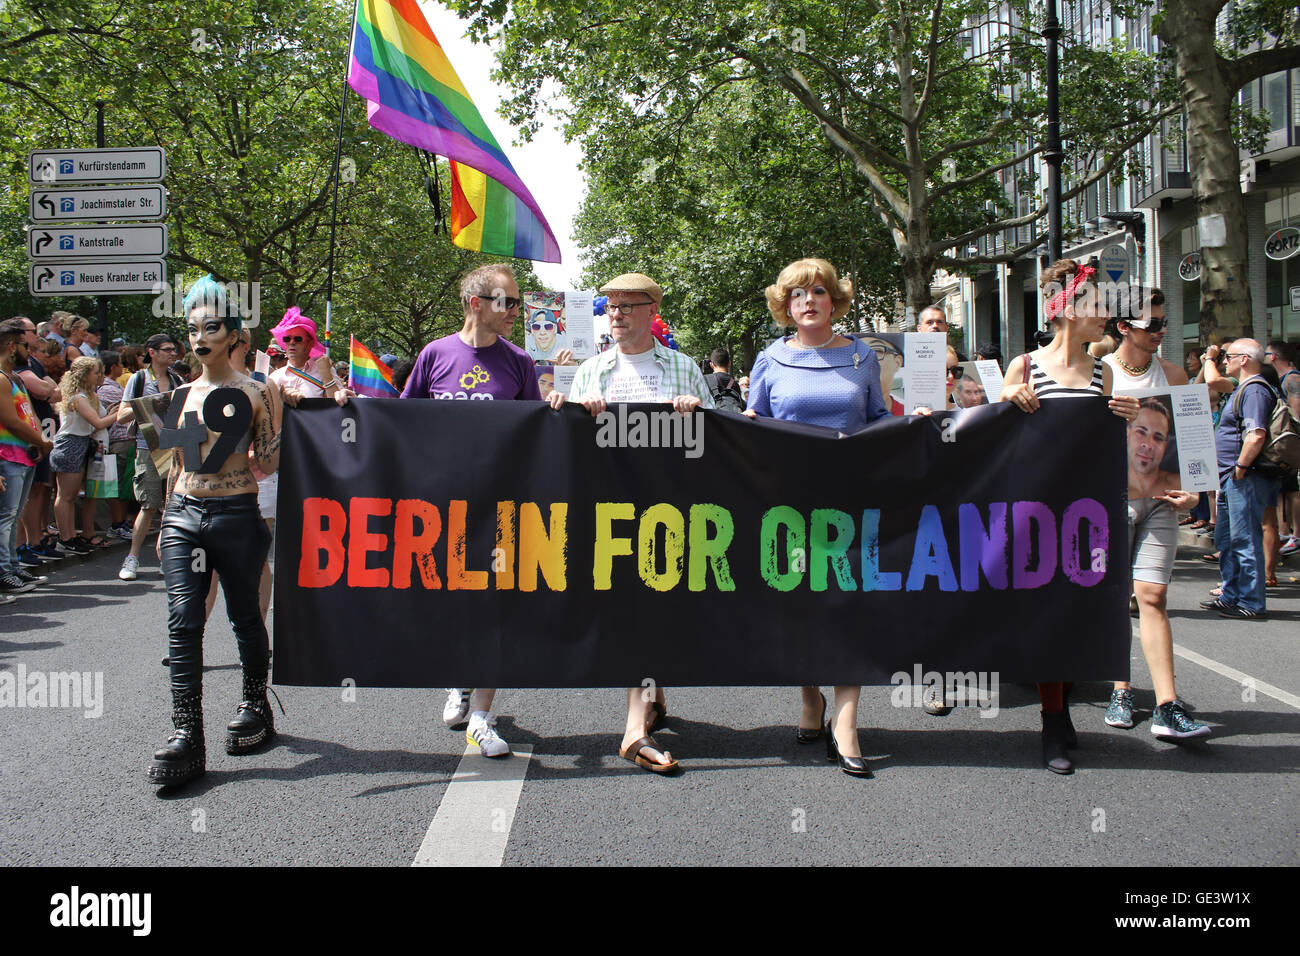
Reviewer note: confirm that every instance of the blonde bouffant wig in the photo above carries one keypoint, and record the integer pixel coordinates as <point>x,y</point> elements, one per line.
<point>801,274</point>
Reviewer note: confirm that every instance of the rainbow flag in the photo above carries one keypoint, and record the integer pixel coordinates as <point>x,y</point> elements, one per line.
<point>367,375</point>
<point>415,96</point>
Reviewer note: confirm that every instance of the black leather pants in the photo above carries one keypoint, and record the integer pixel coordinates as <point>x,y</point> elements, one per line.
<point>200,536</point>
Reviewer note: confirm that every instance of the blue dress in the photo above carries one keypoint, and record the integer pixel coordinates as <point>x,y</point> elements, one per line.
<point>832,387</point>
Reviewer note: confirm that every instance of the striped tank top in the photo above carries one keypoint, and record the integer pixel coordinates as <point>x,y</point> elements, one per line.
<point>13,448</point>
<point>1047,387</point>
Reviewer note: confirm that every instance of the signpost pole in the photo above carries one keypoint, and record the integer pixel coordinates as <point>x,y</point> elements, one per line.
<point>102,300</point>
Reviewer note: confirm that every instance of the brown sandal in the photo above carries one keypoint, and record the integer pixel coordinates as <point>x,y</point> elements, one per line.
<point>632,752</point>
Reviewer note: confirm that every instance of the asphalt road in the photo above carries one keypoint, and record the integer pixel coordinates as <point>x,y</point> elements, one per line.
<point>358,782</point>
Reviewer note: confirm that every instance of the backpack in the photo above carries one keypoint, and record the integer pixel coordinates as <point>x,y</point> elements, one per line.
<point>725,392</point>
<point>1281,451</point>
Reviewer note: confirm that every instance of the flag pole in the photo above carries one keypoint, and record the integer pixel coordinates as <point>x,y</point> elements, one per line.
<point>338,154</point>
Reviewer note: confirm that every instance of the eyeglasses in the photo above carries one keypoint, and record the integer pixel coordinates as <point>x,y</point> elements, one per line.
<point>294,339</point>
<point>166,348</point>
<point>626,307</point>
<point>883,350</point>
<point>542,326</point>
<point>1232,355</point>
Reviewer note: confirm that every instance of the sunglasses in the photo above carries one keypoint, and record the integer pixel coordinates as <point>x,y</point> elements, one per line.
<point>954,371</point>
<point>503,303</point>
<point>294,339</point>
<point>1152,327</point>
<point>543,326</point>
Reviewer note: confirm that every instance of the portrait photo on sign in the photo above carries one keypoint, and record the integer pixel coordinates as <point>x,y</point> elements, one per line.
<point>1171,442</point>
<point>888,347</point>
<point>544,330</point>
<point>978,383</point>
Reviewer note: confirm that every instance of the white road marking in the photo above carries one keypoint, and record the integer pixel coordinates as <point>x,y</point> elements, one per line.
<point>1232,673</point>
<point>1268,690</point>
<point>472,825</point>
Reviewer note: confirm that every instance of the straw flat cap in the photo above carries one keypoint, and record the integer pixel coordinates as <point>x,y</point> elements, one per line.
<point>634,282</point>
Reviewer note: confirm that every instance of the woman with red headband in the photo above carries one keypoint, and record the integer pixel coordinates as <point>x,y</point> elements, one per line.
<point>1064,369</point>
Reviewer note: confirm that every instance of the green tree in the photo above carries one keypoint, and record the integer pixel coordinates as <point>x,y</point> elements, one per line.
<point>934,130</point>
<point>1261,37</point>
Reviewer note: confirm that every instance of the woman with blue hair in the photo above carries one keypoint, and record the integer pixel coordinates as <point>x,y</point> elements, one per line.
<point>212,523</point>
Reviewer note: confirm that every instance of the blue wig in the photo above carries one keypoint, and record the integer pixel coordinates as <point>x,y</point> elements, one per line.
<point>208,291</point>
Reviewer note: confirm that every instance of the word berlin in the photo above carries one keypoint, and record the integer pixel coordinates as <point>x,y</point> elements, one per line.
<point>506,544</point>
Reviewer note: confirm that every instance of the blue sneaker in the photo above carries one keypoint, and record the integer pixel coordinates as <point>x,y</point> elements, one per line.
<point>29,558</point>
<point>1120,711</point>
<point>1172,723</point>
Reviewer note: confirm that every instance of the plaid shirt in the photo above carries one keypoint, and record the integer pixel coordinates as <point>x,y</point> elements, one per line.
<point>679,375</point>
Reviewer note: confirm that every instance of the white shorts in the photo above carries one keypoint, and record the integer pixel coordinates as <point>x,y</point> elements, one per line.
<point>267,491</point>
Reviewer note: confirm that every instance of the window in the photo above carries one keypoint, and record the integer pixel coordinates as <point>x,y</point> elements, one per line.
<point>1275,100</point>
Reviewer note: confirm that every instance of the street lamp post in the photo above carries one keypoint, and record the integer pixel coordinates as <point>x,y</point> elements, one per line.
<point>1053,154</point>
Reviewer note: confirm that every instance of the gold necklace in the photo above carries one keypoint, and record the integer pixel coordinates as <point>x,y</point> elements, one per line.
<point>1130,369</point>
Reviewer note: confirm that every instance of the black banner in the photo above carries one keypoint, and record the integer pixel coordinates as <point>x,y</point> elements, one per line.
<point>504,544</point>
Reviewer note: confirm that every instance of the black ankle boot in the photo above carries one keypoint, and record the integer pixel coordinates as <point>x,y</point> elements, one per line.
<point>1055,755</point>
<point>254,724</point>
<point>184,756</point>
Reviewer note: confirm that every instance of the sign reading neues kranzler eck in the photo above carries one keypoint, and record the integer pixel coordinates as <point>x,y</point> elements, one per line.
<point>98,277</point>
<point>85,242</point>
<point>98,204</point>
<point>134,164</point>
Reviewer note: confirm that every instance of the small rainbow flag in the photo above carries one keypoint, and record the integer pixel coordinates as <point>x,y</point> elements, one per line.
<point>367,375</point>
<point>415,97</point>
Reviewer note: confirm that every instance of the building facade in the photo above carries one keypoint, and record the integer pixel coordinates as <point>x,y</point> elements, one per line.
<point>1002,304</point>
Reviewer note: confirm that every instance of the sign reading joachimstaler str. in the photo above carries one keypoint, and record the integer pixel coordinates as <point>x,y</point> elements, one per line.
<point>504,544</point>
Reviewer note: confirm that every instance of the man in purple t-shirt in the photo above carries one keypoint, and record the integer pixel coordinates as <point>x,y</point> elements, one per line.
<point>478,363</point>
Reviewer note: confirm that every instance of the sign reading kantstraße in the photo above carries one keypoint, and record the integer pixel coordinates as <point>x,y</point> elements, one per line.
<point>136,164</point>
<point>98,204</point>
<point>96,277</point>
<point>85,242</point>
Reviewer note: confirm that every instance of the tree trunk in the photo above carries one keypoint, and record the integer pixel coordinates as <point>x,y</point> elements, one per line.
<point>1207,94</point>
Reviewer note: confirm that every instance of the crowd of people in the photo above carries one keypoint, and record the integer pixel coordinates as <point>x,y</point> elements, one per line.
<point>70,438</point>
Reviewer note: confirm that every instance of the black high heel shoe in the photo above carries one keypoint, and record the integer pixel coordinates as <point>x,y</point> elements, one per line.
<point>812,736</point>
<point>853,766</point>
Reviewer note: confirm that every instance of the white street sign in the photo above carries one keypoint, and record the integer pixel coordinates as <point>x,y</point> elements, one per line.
<point>85,242</point>
<point>97,278</point>
<point>98,205</point>
<point>1295,298</point>
<point>1114,263</point>
<point>55,166</point>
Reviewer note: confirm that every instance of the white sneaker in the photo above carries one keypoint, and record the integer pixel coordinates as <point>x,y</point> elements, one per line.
<point>130,564</point>
<point>455,713</point>
<point>482,734</point>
